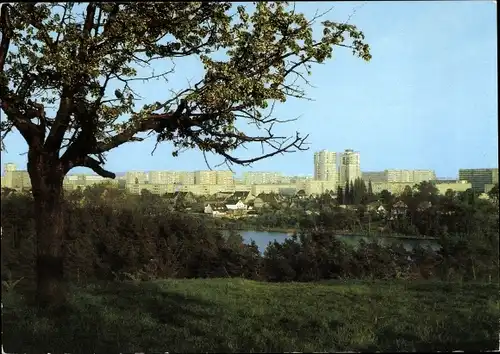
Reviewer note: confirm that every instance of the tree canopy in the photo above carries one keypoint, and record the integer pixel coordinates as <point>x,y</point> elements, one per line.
<point>79,60</point>
<point>70,56</point>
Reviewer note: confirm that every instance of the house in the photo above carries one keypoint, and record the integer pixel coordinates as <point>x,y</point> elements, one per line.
<point>484,196</point>
<point>215,209</point>
<point>377,207</point>
<point>381,210</point>
<point>399,208</point>
<point>301,194</point>
<point>186,197</point>
<point>239,205</point>
<point>244,196</point>
<point>238,201</point>
<point>265,199</point>
<point>222,195</point>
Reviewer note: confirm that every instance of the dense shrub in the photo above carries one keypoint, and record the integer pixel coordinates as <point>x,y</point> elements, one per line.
<point>318,254</point>
<point>106,243</point>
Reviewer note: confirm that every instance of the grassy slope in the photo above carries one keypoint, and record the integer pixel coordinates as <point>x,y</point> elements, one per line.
<point>231,315</point>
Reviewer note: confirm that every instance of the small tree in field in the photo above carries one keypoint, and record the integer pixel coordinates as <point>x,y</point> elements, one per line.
<point>70,55</point>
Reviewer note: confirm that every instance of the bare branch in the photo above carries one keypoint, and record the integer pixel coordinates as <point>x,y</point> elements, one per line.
<point>297,144</point>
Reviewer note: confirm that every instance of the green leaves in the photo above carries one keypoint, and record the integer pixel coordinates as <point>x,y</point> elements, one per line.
<point>75,51</point>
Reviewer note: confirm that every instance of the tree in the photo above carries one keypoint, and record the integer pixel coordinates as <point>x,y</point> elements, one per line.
<point>351,193</point>
<point>386,197</point>
<point>493,193</point>
<point>82,58</point>
<point>359,191</point>
<point>450,195</point>
<point>468,197</point>
<point>370,190</point>
<point>340,195</point>
<point>347,194</point>
<point>407,193</point>
<point>427,192</point>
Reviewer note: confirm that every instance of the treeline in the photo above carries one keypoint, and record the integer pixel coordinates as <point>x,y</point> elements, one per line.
<point>418,211</point>
<point>355,193</point>
<point>139,242</point>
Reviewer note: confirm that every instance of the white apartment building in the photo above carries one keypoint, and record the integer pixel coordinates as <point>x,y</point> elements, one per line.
<point>171,177</point>
<point>423,175</point>
<point>319,187</point>
<point>401,176</point>
<point>136,177</point>
<point>9,169</point>
<point>161,177</point>
<point>92,179</point>
<point>250,178</point>
<point>374,176</point>
<point>205,177</point>
<point>349,166</point>
<point>410,176</point>
<point>325,166</point>
<point>225,178</point>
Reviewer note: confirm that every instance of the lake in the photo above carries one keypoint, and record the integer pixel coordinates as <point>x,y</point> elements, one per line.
<point>263,238</point>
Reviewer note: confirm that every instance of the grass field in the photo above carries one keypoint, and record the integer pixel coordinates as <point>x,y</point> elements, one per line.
<point>234,315</point>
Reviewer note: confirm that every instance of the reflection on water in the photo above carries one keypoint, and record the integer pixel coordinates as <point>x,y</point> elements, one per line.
<point>263,238</point>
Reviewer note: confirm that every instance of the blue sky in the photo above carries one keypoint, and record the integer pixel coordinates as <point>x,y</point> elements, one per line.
<point>427,99</point>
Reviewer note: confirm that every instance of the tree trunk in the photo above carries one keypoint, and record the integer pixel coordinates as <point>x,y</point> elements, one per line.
<point>47,174</point>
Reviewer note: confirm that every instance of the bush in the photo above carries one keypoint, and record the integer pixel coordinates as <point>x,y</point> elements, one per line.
<point>102,243</point>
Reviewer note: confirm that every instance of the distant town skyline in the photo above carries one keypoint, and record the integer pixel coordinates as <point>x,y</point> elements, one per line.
<point>427,99</point>
<point>208,182</point>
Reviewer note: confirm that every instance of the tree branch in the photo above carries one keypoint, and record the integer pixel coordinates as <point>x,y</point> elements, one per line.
<point>91,163</point>
<point>66,105</point>
<point>6,30</point>
<point>156,122</point>
<point>58,129</point>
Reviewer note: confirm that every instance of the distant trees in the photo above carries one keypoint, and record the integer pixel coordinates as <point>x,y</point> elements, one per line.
<point>355,192</point>
<point>493,193</point>
<point>347,194</point>
<point>340,195</point>
<point>370,191</point>
<point>139,237</point>
<point>386,197</point>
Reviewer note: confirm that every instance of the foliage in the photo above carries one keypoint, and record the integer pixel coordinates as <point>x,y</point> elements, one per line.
<point>493,193</point>
<point>144,237</point>
<point>106,243</point>
<point>84,58</point>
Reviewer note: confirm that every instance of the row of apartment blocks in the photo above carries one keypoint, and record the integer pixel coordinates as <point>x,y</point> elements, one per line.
<point>344,167</point>
<point>401,176</point>
<point>208,177</point>
<point>20,181</point>
<point>210,182</point>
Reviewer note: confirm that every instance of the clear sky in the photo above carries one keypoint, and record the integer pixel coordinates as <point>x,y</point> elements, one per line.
<point>427,99</point>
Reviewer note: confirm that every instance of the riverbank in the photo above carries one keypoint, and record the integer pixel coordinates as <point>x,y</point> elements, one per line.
<point>234,315</point>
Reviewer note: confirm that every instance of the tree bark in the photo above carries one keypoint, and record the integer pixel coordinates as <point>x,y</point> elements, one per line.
<point>47,174</point>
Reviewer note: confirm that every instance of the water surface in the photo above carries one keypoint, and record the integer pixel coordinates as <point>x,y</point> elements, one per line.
<point>262,239</point>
